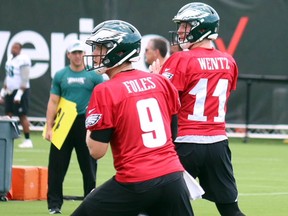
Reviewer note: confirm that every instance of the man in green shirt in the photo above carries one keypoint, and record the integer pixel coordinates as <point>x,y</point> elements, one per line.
<point>73,83</point>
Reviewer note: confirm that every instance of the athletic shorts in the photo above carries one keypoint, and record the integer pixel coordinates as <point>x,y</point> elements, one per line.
<point>15,108</point>
<point>211,163</point>
<point>164,196</point>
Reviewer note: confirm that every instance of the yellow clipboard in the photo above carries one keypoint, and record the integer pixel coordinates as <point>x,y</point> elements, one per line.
<point>66,114</point>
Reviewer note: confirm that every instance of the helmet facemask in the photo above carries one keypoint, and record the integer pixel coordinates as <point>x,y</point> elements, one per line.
<point>99,61</point>
<point>184,37</point>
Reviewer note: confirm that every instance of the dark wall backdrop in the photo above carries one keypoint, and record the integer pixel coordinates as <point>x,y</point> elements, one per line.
<point>253,31</point>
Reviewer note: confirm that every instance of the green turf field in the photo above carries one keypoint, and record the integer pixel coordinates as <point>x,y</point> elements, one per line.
<point>261,170</point>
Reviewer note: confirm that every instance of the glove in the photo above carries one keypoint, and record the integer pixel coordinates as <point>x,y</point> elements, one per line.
<point>18,95</point>
<point>3,93</point>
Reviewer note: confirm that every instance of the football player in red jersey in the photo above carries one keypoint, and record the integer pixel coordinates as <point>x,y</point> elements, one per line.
<point>136,112</point>
<point>204,77</point>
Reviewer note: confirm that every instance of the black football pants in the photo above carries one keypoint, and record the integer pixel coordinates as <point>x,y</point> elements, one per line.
<point>59,162</point>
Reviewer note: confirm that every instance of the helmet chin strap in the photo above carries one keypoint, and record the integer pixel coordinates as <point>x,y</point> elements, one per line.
<point>103,69</point>
<point>186,45</point>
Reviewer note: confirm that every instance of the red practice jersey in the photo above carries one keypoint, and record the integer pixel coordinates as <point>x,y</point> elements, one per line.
<point>139,107</point>
<point>204,79</point>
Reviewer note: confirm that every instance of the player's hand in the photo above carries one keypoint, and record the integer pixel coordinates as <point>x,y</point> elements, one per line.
<point>155,67</point>
<point>18,96</point>
<point>48,135</point>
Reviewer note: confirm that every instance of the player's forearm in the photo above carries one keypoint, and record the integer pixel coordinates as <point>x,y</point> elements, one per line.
<point>50,116</point>
<point>24,73</point>
<point>51,111</point>
<point>96,149</point>
<point>5,83</point>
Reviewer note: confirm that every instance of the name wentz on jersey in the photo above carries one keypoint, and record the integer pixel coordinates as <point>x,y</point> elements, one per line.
<point>214,63</point>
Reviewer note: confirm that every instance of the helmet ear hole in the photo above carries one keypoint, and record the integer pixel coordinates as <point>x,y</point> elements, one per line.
<point>109,45</point>
<point>106,61</point>
<point>190,37</point>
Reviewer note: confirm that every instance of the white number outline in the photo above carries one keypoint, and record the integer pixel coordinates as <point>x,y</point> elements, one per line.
<point>151,123</point>
<point>200,93</point>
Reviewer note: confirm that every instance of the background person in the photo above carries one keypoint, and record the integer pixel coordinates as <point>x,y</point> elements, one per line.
<point>16,90</point>
<point>75,84</point>
<point>204,78</point>
<point>156,49</point>
<point>133,111</point>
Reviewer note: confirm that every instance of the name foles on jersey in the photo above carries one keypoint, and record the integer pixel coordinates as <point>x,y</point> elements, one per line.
<point>92,120</point>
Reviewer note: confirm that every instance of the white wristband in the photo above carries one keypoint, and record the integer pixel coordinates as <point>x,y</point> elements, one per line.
<point>3,93</point>
<point>18,95</point>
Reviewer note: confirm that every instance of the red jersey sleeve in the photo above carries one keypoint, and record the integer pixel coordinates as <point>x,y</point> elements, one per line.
<point>175,69</point>
<point>234,82</point>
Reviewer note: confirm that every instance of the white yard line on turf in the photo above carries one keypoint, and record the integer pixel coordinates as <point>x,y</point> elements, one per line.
<point>263,194</point>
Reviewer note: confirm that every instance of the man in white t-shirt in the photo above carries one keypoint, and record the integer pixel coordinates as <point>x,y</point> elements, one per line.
<point>16,89</point>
